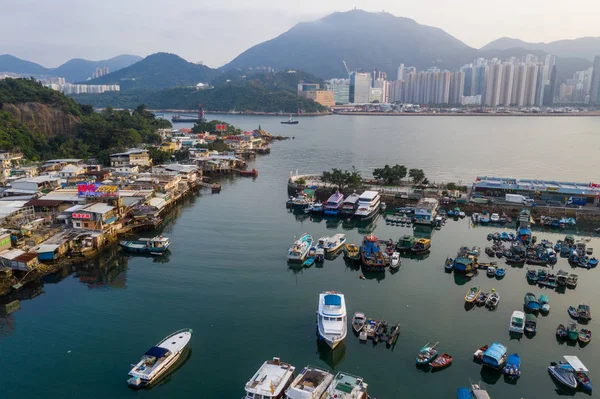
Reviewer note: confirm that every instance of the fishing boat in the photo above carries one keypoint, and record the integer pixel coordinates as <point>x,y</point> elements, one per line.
<point>299,251</point>
<point>311,383</point>
<point>319,255</point>
<point>490,252</point>
<point>308,262</point>
<point>478,355</point>
<point>290,121</point>
<point>572,310</point>
<point>532,276</point>
<point>449,264</point>
<point>421,246</point>
<point>249,173</point>
<point>271,380</point>
<point>572,280</point>
<point>475,217</point>
<point>371,255</point>
<point>368,205</point>
<point>395,260</point>
<point>585,335</point>
<point>159,359</point>
<point>493,300</point>
<point>427,353</point>
<point>530,324</point>
<point>563,375</point>
<point>334,243</point>
<point>317,208</point>
<point>349,205</point>
<point>358,322</point>
<point>561,278</point>
<point>481,298</point>
<point>516,325</point>
<point>333,204</point>
<point>584,312</point>
<point>494,218</point>
<point>331,323</point>
<point>531,302</point>
<point>405,243</point>
<point>572,331</point>
<point>561,331</point>
<point>500,272</point>
<point>155,246</point>
<point>444,360</point>
<point>512,370</point>
<point>544,304</point>
<point>495,356</point>
<point>592,262</point>
<point>346,386</point>
<point>491,271</point>
<point>472,294</point>
<point>515,260</point>
<point>352,252</point>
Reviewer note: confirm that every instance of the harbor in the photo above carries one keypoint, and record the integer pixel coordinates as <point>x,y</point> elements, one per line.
<point>204,271</point>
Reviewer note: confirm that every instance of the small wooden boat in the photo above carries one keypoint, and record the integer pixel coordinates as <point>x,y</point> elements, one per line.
<point>584,312</point>
<point>491,271</point>
<point>427,353</point>
<point>472,294</point>
<point>573,312</point>
<point>585,335</point>
<point>442,361</point>
<point>358,321</point>
<point>481,298</point>
<point>561,331</point>
<point>532,276</point>
<point>490,252</point>
<point>572,331</point>
<point>479,353</point>
<point>216,188</point>
<point>572,280</point>
<point>395,260</point>
<point>493,300</point>
<point>309,262</point>
<point>500,272</point>
<point>249,173</point>
<point>545,308</point>
<point>583,380</point>
<point>530,324</point>
<point>449,264</point>
<point>512,370</point>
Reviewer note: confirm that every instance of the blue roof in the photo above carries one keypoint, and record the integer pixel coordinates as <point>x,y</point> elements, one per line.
<point>333,300</point>
<point>494,354</point>
<point>157,351</point>
<point>463,393</point>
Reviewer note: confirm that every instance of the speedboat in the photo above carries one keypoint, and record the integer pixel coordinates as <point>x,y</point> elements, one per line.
<point>334,243</point>
<point>358,321</point>
<point>271,380</point>
<point>573,364</point>
<point>154,246</point>
<point>158,359</point>
<point>346,386</point>
<point>517,322</point>
<point>564,375</point>
<point>311,383</point>
<point>395,260</point>
<point>332,318</point>
<point>299,251</point>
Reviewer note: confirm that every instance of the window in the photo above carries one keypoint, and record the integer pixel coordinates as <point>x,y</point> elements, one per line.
<point>77,224</point>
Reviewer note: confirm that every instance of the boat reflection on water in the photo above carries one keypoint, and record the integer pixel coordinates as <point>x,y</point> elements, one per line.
<point>373,275</point>
<point>332,222</point>
<point>169,374</point>
<point>460,278</point>
<point>331,357</point>
<point>490,376</point>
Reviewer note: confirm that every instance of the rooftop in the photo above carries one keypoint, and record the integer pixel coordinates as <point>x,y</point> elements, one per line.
<point>129,152</point>
<point>509,183</point>
<point>98,207</point>
<point>427,203</point>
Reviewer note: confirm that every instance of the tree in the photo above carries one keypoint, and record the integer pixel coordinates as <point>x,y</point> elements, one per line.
<point>343,178</point>
<point>354,178</point>
<point>417,175</point>
<point>159,156</point>
<point>391,175</point>
<point>182,155</point>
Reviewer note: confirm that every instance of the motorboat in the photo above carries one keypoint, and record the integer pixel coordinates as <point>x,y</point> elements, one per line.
<point>271,380</point>
<point>495,356</point>
<point>572,280</point>
<point>334,243</point>
<point>517,322</point>
<point>319,255</point>
<point>584,312</point>
<point>544,303</point>
<point>300,249</point>
<point>449,264</point>
<point>572,310</point>
<point>427,353</point>
<point>317,208</point>
<point>572,331</point>
<point>491,271</point>
<point>421,246</point>
<point>352,252</point>
<point>494,218</point>
<point>358,321</point>
<point>565,376</point>
<point>512,370</point>
<point>475,217</point>
<point>311,383</point>
<point>579,370</point>
<point>349,205</point>
<point>585,335</point>
<point>500,272</point>
<point>493,300</point>
<point>478,355</point>
<point>530,324</point>
<point>405,243</point>
<point>290,121</point>
<point>333,204</point>
<point>332,319</point>
<point>160,358</point>
<point>309,262</point>
<point>482,298</point>
<point>531,302</point>
<point>561,331</point>
<point>472,294</point>
<point>346,386</point>
<point>395,260</point>
<point>155,246</point>
<point>368,205</point>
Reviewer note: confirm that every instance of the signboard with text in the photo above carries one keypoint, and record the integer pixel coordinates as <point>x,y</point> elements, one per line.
<point>81,215</point>
<point>96,190</point>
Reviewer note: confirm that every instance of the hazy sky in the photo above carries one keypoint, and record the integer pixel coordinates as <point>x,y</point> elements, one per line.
<point>52,31</point>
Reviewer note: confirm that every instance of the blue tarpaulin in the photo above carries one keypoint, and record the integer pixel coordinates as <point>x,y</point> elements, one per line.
<point>157,351</point>
<point>463,393</point>
<point>333,300</point>
<point>493,356</point>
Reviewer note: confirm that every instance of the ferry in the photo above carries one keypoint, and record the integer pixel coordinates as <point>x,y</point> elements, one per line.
<point>331,318</point>
<point>154,246</point>
<point>347,386</point>
<point>349,205</point>
<point>368,205</point>
<point>298,252</point>
<point>333,204</point>
<point>271,380</point>
<point>311,383</point>
<point>158,359</point>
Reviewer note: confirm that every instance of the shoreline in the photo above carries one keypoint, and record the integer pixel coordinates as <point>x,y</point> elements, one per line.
<point>554,114</point>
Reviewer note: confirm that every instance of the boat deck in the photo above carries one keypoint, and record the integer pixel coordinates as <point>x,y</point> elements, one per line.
<point>274,375</point>
<point>312,381</point>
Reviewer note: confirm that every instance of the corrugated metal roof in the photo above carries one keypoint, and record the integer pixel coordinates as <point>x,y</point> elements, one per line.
<point>11,254</point>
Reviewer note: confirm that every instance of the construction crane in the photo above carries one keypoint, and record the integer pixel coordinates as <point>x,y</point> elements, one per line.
<point>347,70</point>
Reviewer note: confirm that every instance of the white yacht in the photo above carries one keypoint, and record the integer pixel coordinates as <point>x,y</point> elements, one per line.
<point>368,205</point>
<point>517,322</point>
<point>334,243</point>
<point>270,381</point>
<point>298,252</point>
<point>158,359</point>
<point>332,320</point>
<point>347,386</point>
<point>311,383</point>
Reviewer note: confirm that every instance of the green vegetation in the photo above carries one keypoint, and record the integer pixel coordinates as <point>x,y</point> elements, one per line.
<point>96,134</point>
<point>391,175</point>
<point>217,145</point>
<point>343,178</point>
<point>453,186</point>
<point>273,81</point>
<point>417,175</point>
<point>211,127</point>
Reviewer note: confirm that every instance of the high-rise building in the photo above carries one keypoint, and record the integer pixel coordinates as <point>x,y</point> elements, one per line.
<point>360,87</point>
<point>550,89</point>
<point>400,72</point>
<point>493,85</point>
<point>518,89</point>
<point>508,72</point>
<point>467,70</point>
<point>340,89</point>
<point>540,84</point>
<point>478,80</point>
<point>595,84</point>
<point>457,88</point>
<point>530,84</point>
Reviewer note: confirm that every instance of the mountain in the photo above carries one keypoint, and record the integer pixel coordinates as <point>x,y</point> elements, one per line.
<point>364,40</point>
<point>78,69</point>
<point>274,81</point>
<point>158,71</point>
<point>73,70</point>
<point>10,63</point>
<point>584,47</point>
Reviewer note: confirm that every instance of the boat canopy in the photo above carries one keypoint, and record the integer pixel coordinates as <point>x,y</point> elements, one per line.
<point>333,300</point>
<point>514,359</point>
<point>544,298</point>
<point>531,317</point>
<point>493,356</point>
<point>576,363</point>
<point>462,264</point>
<point>463,393</point>
<point>157,352</point>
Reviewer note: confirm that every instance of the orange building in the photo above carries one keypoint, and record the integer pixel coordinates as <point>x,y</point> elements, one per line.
<point>323,97</point>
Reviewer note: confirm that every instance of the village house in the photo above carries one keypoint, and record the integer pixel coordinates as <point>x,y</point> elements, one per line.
<point>33,185</point>
<point>58,164</point>
<point>131,157</point>
<point>25,171</point>
<point>10,159</point>
<point>95,216</point>
<point>70,171</point>
<point>18,259</point>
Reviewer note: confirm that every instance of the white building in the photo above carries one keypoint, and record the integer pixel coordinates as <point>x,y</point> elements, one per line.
<point>426,211</point>
<point>71,171</point>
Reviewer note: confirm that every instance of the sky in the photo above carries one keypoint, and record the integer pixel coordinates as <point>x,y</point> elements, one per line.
<point>214,32</point>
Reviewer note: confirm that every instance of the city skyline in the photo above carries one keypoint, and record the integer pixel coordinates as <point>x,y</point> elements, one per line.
<point>226,31</point>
